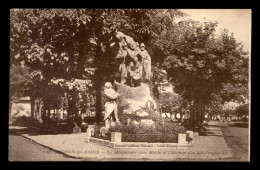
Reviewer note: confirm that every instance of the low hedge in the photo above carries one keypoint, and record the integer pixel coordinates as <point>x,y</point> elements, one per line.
<point>21,121</point>
<point>164,133</point>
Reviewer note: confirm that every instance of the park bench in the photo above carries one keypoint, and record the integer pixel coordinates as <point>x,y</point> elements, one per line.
<point>210,131</point>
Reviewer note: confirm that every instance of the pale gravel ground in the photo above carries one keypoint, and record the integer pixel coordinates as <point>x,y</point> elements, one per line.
<point>213,148</point>
<point>21,149</point>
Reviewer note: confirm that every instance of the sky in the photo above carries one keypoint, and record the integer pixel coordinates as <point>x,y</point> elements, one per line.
<point>237,21</point>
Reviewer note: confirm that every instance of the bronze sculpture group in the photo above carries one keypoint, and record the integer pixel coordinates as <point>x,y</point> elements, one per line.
<point>135,62</point>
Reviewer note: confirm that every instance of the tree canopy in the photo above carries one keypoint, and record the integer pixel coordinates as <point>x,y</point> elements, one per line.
<point>204,66</point>
<point>76,43</point>
<point>71,44</point>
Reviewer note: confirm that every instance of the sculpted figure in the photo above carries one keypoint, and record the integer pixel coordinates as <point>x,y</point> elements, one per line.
<point>130,70</point>
<point>122,37</point>
<point>146,62</point>
<point>137,73</point>
<point>137,48</point>
<point>132,52</point>
<point>122,67</point>
<point>123,71</point>
<point>122,50</point>
<point>133,46</point>
<point>111,105</point>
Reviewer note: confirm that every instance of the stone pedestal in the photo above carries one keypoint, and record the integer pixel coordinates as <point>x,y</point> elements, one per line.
<point>135,99</point>
<point>182,139</point>
<point>116,137</point>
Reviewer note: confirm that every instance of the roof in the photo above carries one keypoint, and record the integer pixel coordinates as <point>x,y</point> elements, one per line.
<point>24,98</point>
<point>27,98</point>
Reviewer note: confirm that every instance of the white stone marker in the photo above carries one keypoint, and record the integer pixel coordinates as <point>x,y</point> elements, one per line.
<point>88,132</point>
<point>91,127</point>
<point>61,113</point>
<point>128,121</point>
<point>116,137</point>
<point>182,139</point>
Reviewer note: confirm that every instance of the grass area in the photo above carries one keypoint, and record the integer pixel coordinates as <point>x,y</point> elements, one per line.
<point>237,141</point>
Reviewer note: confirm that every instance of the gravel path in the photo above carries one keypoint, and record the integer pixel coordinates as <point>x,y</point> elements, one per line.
<point>231,147</point>
<point>212,148</point>
<point>21,149</point>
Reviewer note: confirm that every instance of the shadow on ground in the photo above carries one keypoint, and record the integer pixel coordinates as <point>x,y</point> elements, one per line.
<point>242,125</point>
<point>35,131</point>
<point>18,131</point>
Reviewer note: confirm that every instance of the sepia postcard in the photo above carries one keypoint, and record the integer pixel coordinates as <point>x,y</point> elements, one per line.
<point>130,85</point>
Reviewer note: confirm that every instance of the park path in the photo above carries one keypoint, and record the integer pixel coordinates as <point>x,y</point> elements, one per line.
<point>21,149</point>
<point>211,148</point>
<point>231,146</point>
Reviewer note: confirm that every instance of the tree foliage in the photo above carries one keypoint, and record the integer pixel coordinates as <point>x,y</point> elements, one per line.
<point>81,44</point>
<point>204,66</point>
<point>75,43</point>
<point>20,81</point>
<point>242,110</point>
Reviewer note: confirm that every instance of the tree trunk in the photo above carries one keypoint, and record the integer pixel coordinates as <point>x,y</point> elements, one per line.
<point>200,112</point>
<point>199,119</point>
<point>98,102</point>
<point>32,99</point>
<point>192,113</point>
<point>197,114</point>
<point>46,110</point>
<point>82,57</point>
<point>203,112</point>
<point>98,81</point>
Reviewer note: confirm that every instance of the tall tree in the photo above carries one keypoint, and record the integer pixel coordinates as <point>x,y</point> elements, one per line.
<point>202,65</point>
<point>77,43</point>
